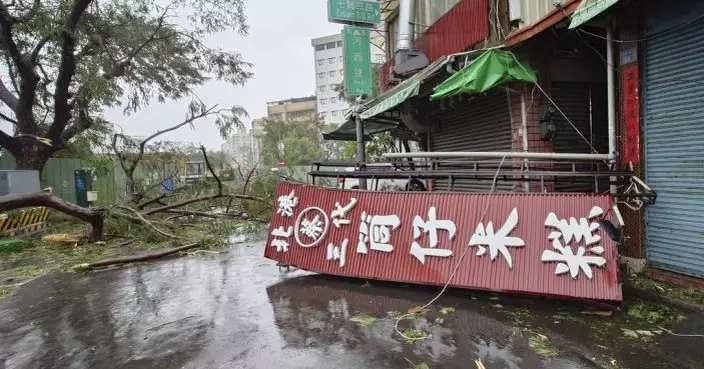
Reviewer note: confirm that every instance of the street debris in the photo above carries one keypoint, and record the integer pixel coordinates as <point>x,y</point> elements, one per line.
<point>136,258</point>
<point>363,320</point>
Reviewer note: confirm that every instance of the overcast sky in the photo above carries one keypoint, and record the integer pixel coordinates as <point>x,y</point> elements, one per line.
<point>278,45</point>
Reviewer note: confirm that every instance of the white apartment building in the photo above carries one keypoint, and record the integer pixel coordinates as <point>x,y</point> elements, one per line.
<point>329,74</point>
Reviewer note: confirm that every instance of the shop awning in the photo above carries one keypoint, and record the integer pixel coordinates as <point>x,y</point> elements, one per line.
<point>348,130</point>
<point>402,92</point>
<point>489,70</point>
<point>589,9</point>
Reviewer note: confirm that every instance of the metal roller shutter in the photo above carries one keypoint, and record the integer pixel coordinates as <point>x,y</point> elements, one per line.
<point>574,99</point>
<point>480,124</point>
<point>674,146</point>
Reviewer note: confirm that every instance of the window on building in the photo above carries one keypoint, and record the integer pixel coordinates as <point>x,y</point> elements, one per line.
<point>321,88</point>
<point>323,101</point>
<point>321,75</point>
<point>331,60</point>
<point>319,47</point>
<point>339,43</point>
<point>330,45</point>
<point>342,59</point>
<point>334,113</point>
<point>333,100</point>
<point>323,115</point>
<point>342,72</point>
<point>332,73</point>
<point>321,62</point>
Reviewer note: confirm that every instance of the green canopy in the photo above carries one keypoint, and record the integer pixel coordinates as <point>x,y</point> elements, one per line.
<point>402,92</point>
<point>589,9</point>
<point>348,130</point>
<point>489,70</point>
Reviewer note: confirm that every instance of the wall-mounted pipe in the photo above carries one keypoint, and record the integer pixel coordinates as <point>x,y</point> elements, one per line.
<point>406,33</point>
<point>499,155</point>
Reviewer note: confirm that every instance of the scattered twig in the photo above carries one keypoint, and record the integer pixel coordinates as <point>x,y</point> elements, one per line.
<point>680,335</point>
<point>148,223</point>
<point>136,258</point>
<point>171,322</point>
<point>249,177</point>
<point>479,363</point>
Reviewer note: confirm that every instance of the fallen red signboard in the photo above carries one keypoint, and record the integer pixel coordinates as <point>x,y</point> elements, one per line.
<point>546,244</point>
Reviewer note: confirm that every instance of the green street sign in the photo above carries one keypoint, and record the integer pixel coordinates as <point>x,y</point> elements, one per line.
<point>355,12</point>
<point>357,61</point>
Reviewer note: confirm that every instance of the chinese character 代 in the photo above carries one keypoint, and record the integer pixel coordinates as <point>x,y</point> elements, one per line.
<point>499,241</point>
<point>431,227</point>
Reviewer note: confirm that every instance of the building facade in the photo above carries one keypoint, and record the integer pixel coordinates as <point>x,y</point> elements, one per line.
<point>296,109</point>
<point>242,149</point>
<point>638,86</point>
<point>329,74</point>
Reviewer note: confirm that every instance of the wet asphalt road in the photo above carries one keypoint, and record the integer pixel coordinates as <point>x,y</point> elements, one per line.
<point>237,310</point>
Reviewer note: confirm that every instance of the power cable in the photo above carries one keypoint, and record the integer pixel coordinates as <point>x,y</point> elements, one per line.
<point>655,35</point>
<point>459,262</point>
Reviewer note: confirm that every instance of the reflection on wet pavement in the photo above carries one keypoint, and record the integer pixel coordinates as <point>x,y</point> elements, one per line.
<point>239,311</point>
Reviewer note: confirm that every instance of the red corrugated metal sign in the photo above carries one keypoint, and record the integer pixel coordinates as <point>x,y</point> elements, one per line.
<point>526,243</point>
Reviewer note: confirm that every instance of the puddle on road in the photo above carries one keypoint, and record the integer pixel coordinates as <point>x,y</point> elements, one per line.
<point>238,310</point>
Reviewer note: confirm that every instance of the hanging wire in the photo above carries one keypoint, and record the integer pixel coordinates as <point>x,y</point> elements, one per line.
<point>459,262</point>
<point>553,103</point>
<point>662,33</point>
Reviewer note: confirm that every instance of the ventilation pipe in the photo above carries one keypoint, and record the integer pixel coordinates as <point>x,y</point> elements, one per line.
<point>407,58</point>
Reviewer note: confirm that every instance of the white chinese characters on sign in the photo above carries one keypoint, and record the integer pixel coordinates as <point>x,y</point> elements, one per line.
<point>313,225</point>
<point>497,242</point>
<point>575,230</point>
<point>287,203</point>
<point>376,231</point>
<point>280,240</point>
<point>431,227</point>
<point>338,253</point>
<point>340,212</point>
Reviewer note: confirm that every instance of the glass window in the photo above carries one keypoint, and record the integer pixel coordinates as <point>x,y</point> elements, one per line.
<point>323,101</point>
<point>330,45</point>
<point>331,60</point>
<point>333,100</point>
<point>321,88</point>
<point>334,113</point>
<point>319,47</point>
<point>332,73</point>
<point>321,61</point>
<point>342,59</point>
<point>323,115</point>
<point>342,72</point>
<point>339,43</point>
<point>321,75</point>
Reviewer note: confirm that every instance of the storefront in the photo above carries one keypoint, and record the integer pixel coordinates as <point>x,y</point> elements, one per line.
<point>673,131</point>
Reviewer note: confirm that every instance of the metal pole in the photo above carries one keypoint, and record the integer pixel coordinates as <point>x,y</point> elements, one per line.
<point>524,133</point>
<point>498,155</point>
<point>611,95</point>
<point>361,160</point>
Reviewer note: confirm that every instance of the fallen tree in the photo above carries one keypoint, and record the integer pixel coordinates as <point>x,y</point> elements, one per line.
<point>136,258</point>
<point>94,216</point>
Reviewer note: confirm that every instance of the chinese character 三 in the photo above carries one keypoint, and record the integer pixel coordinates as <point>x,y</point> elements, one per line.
<point>431,227</point>
<point>575,230</point>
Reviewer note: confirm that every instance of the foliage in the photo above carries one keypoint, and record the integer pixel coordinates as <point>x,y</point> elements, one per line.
<point>542,346</point>
<point>67,61</point>
<point>295,142</point>
<point>654,313</point>
<point>415,335</point>
<point>363,320</point>
<point>380,144</point>
<point>447,309</point>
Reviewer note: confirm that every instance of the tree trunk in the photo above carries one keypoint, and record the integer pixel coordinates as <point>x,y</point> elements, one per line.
<point>33,155</point>
<point>93,216</point>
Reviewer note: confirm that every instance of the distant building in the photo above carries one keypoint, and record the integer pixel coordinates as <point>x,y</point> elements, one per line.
<point>329,74</point>
<point>242,149</point>
<point>296,109</point>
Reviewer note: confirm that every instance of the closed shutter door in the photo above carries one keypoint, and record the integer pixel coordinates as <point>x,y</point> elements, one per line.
<point>585,105</point>
<point>480,124</point>
<point>674,148</point>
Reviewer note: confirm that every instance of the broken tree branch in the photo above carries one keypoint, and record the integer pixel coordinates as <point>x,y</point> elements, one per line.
<point>211,170</point>
<point>148,223</point>
<point>136,258</point>
<point>92,216</point>
<point>199,199</point>
<point>249,177</point>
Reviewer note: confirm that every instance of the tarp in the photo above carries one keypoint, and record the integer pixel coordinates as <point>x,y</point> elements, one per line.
<point>402,92</point>
<point>589,9</point>
<point>489,70</point>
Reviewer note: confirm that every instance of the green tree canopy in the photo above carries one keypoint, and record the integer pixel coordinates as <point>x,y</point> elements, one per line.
<point>295,142</point>
<point>67,60</point>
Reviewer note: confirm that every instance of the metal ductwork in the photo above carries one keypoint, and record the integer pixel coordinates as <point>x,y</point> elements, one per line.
<point>407,58</point>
